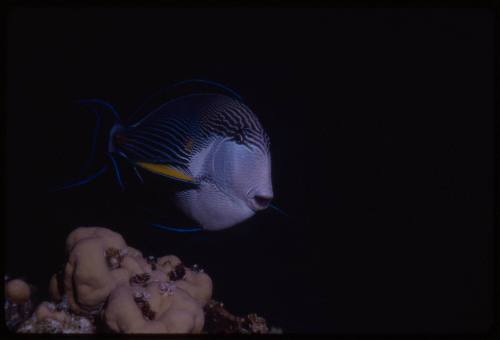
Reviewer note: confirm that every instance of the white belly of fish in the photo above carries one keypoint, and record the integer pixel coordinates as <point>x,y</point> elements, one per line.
<point>208,204</point>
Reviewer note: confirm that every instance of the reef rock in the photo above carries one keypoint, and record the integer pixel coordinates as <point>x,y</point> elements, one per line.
<point>107,286</point>
<point>51,318</point>
<point>18,305</point>
<point>142,296</point>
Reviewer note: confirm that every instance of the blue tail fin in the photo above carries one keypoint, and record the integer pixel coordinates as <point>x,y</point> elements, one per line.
<point>82,181</point>
<point>93,105</point>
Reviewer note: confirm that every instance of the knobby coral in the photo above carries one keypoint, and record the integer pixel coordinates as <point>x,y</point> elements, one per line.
<point>106,278</point>
<point>106,285</point>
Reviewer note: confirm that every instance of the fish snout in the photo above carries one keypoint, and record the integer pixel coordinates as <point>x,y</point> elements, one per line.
<point>260,201</point>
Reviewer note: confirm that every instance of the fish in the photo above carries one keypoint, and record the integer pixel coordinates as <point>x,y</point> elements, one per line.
<point>212,142</point>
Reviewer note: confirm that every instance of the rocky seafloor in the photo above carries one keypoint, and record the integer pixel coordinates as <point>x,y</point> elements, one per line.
<point>106,286</point>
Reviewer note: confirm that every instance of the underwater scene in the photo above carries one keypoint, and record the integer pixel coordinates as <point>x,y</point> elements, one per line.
<point>249,171</point>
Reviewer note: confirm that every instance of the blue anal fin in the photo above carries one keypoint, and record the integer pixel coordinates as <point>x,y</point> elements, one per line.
<point>177,229</point>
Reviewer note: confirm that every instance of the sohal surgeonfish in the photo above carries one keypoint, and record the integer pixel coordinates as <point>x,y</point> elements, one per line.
<point>212,141</point>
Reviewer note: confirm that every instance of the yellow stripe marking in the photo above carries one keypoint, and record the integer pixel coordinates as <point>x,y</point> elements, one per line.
<point>165,170</point>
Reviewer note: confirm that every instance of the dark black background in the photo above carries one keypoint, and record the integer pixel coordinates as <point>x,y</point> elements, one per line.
<point>381,124</point>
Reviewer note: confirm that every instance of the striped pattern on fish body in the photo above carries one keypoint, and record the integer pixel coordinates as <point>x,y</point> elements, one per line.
<point>181,128</point>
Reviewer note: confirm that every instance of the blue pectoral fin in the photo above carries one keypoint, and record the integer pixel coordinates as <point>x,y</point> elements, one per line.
<point>177,229</point>
<point>278,209</point>
<point>138,175</point>
<point>82,181</point>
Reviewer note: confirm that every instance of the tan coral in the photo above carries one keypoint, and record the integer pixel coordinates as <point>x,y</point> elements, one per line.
<point>168,263</point>
<point>134,262</point>
<point>150,310</point>
<point>142,296</point>
<point>47,310</point>
<point>197,284</point>
<point>55,290</point>
<point>154,303</point>
<point>17,291</point>
<point>94,267</point>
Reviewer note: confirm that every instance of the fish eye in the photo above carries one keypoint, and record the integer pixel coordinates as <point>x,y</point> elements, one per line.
<point>239,136</point>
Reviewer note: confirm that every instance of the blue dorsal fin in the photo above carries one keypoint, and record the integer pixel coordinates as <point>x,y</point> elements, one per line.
<point>179,89</point>
<point>101,103</point>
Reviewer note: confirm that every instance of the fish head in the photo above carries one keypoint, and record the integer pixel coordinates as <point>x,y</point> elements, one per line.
<point>244,172</point>
<point>235,183</point>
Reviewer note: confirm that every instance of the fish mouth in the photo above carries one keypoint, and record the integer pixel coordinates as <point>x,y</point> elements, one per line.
<point>258,201</point>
